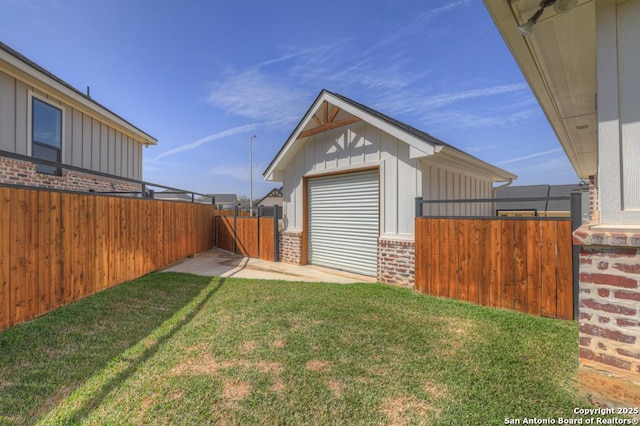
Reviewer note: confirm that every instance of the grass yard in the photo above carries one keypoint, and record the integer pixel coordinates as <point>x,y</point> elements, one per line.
<point>178,348</point>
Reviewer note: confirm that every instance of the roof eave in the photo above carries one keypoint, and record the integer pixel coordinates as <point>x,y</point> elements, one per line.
<point>420,146</point>
<point>497,174</point>
<point>506,23</point>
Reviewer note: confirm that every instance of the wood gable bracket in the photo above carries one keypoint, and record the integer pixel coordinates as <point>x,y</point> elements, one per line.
<point>327,121</point>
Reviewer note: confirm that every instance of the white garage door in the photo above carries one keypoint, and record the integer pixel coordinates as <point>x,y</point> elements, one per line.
<point>343,222</point>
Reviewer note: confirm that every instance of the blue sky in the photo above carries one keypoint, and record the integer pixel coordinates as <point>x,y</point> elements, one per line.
<point>203,76</point>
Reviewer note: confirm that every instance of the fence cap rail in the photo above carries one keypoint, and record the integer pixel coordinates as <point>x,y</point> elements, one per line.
<point>493,200</point>
<point>539,218</point>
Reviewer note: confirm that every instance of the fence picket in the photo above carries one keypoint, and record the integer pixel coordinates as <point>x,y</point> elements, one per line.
<point>434,258</point>
<point>507,270</point>
<point>44,248</point>
<point>5,261</point>
<point>30,254</point>
<point>55,253</point>
<point>59,247</point>
<point>522,265</point>
<point>564,294</point>
<point>549,277</point>
<point>18,272</point>
<point>463,262</point>
<point>474,255</point>
<point>534,267</point>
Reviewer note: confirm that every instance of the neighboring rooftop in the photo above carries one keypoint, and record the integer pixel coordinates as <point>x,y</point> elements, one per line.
<point>536,191</point>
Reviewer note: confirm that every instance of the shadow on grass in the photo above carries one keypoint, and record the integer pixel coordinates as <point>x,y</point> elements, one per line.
<point>57,368</point>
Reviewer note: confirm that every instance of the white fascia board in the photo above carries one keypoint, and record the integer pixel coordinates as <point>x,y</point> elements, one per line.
<point>420,148</point>
<point>274,176</point>
<point>421,145</point>
<point>470,163</point>
<point>47,83</point>
<point>286,150</point>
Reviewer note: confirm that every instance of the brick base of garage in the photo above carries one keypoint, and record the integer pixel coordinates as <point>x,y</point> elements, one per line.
<point>290,247</point>
<point>396,258</point>
<point>396,262</point>
<point>17,172</point>
<point>609,321</point>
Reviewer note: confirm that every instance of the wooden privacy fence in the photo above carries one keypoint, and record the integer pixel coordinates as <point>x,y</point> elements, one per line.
<point>518,264</point>
<point>56,247</point>
<point>249,236</point>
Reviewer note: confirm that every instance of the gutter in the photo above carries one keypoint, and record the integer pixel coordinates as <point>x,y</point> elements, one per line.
<point>494,190</point>
<point>509,182</point>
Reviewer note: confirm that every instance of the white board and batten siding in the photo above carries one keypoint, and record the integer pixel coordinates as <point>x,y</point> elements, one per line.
<point>88,142</point>
<point>618,43</point>
<point>349,148</point>
<point>343,216</point>
<point>401,179</point>
<point>441,181</point>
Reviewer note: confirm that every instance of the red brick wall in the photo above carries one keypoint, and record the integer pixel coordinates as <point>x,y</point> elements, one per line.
<point>396,262</point>
<point>291,247</point>
<point>609,321</point>
<point>609,296</point>
<point>19,172</point>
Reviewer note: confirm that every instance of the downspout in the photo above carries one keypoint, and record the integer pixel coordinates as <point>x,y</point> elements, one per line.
<point>509,182</point>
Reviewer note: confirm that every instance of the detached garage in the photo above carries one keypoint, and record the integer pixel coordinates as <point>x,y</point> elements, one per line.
<point>350,177</point>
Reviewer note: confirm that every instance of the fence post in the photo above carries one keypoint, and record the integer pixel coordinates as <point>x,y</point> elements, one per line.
<point>576,221</point>
<point>235,225</point>
<point>418,207</point>
<point>259,214</point>
<point>276,234</point>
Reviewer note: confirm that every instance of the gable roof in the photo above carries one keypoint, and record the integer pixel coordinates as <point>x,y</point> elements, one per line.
<point>19,66</point>
<point>421,144</point>
<point>275,192</point>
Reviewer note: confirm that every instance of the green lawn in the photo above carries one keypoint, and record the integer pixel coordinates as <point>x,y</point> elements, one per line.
<point>178,348</point>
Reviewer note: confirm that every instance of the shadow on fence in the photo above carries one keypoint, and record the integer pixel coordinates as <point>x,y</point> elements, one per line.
<point>58,247</point>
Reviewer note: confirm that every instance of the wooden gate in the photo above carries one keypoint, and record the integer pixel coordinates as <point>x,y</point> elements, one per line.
<point>249,236</point>
<point>519,264</point>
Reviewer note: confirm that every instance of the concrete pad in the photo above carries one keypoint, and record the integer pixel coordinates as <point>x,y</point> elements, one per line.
<point>224,264</point>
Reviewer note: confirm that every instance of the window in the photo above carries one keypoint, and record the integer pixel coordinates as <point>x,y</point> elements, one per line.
<point>46,134</point>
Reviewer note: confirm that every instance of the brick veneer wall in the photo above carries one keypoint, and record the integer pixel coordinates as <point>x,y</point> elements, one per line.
<point>396,262</point>
<point>19,172</point>
<point>290,247</point>
<point>609,316</point>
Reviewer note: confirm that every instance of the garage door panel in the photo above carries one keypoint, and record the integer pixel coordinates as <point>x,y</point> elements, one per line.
<point>343,222</point>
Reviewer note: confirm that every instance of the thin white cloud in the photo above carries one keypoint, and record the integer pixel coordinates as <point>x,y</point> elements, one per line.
<point>420,23</point>
<point>406,102</point>
<point>449,98</point>
<point>239,171</point>
<point>465,120</point>
<point>257,96</point>
<point>481,148</point>
<point>298,53</point>
<point>530,156</point>
<point>215,136</point>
